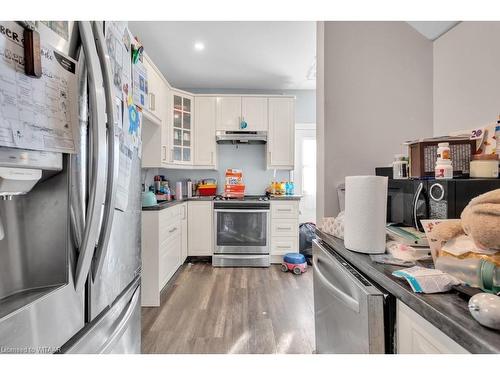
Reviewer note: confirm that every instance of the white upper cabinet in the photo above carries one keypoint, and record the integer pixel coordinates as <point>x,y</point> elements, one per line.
<point>228,112</point>
<point>181,148</point>
<point>205,148</point>
<point>254,113</point>
<point>156,119</point>
<point>281,135</point>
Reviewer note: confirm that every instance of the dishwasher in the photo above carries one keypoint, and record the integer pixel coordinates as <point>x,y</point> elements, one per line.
<point>352,315</point>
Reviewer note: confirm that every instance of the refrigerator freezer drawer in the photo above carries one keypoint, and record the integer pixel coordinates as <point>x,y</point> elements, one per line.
<point>117,330</point>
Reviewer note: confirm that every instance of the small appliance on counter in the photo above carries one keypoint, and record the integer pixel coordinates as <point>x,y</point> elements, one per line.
<point>149,199</point>
<point>410,201</point>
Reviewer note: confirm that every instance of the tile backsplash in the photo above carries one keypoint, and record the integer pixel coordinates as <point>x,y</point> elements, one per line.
<point>249,158</point>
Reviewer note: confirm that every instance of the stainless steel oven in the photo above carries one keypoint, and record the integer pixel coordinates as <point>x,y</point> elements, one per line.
<point>241,233</point>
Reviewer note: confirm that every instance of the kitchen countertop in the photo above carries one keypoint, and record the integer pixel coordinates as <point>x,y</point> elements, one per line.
<point>166,204</point>
<point>285,197</point>
<point>446,311</point>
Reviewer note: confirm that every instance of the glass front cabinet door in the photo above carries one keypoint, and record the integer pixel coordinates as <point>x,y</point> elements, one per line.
<point>182,129</point>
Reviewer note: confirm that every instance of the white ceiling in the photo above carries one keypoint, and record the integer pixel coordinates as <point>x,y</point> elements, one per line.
<point>243,55</point>
<point>432,29</point>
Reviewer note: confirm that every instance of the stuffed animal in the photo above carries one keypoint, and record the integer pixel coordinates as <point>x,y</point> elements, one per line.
<point>480,220</point>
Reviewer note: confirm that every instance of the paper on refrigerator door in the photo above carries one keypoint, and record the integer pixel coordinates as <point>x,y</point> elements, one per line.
<point>36,113</point>
<point>118,43</point>
<point>124,175</point>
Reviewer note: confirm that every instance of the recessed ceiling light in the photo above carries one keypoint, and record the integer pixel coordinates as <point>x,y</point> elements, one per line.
<point>199,46</point>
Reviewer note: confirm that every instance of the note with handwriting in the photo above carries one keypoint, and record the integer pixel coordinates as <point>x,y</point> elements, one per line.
<point>36,113</point>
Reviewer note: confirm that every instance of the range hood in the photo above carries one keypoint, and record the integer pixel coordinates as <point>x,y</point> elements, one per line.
<point>241,137</point>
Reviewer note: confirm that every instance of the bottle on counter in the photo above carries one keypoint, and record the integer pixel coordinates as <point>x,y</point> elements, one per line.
<point>282,188</point>
<point>443,151</point>
<point>292,188</point>
<point>400,167</point>
<point>189,188</point>
<point>444,169</point>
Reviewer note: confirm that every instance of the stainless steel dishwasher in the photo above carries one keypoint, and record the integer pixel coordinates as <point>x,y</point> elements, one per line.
<point>348,309</point>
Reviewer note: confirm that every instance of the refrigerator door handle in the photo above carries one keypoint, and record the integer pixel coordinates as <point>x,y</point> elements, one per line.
<point>98,175</point>
<point>124,322</point>
<point>113,152</point>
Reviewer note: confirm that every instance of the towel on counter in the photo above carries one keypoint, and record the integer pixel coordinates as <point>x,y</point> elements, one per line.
<point>333,225</point>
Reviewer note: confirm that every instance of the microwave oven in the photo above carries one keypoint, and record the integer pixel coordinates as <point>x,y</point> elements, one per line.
<point>409,201</point>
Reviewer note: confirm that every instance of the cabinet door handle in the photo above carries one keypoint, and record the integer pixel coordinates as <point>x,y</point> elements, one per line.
<point>172,230</point>
<point>152,102</point>
<point>284,228</point>
<point>164,152</point>
<point>283,247</point>
<point>285,209</point>
<point>212,157</point>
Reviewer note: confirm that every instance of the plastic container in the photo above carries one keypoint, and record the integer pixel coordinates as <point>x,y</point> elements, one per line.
<point>207,190</point>
<point>484,166</point>
<point>443,151</point>
<point>474,272</point>
<point>400,167</point>
<point>444,169</point>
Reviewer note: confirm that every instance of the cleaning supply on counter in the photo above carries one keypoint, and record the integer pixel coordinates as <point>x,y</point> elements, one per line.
<point>365,213</point>
<point>484,166</point>
<point>427,280</point>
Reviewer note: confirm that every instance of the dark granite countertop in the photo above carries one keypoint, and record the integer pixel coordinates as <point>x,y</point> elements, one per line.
<point>446,311</point>
<point>167,204</point>
<point>285,197</point>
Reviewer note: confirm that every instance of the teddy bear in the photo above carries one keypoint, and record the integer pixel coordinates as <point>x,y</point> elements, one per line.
<point>480,220</point>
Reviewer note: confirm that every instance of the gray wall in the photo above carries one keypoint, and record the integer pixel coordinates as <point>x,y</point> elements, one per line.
<point>250,158</point>
<point>467,77</point>
<point>305,103</point>
<point>377,93</point>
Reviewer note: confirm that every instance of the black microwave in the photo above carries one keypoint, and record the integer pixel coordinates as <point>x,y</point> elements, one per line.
<point>410,201</point>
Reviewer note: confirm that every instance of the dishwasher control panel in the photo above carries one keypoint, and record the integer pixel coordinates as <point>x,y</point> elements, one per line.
<point>348,267</point>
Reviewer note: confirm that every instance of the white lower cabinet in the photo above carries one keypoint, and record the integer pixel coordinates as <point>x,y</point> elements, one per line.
<point>200,232</point>
<point>163,243</point>
<point>415,335</point>
<point>184,232</point>
<point>284,229</point>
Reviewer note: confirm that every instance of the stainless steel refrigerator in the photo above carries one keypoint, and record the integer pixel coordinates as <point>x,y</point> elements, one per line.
<point>69,258</point>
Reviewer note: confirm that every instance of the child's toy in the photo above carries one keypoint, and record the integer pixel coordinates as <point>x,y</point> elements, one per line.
<point>294,262</point>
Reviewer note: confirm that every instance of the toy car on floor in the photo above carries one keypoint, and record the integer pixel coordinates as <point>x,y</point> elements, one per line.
<point>294,262</point>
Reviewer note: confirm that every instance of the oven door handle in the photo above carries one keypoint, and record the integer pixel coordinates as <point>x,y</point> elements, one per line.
<point>266,210</point>
<point>415,203</point>
<point>350,302</point>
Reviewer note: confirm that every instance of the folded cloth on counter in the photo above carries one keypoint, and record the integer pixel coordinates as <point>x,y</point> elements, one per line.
<point>427,280</point>
<point>333,225</point>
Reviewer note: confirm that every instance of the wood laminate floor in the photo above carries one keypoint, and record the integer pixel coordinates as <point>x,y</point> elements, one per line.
<point>232,310</point>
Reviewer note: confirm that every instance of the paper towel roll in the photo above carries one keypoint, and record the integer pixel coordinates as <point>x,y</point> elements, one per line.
<point>365,213</point>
